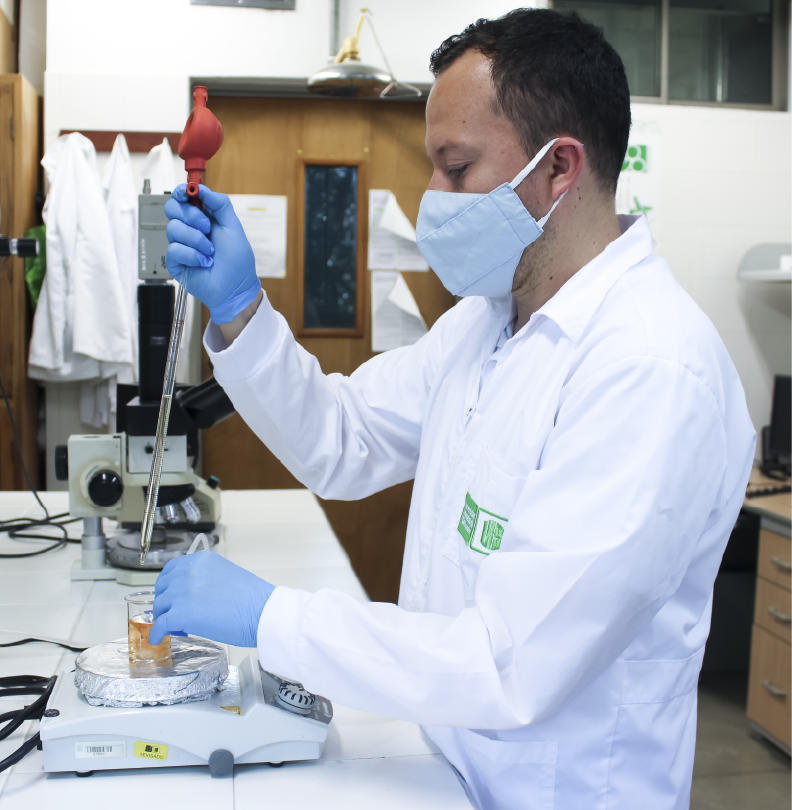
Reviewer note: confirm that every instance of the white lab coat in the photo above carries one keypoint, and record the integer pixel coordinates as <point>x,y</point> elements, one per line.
<point>81,329</point>
<point>121,201</point>
<point>554,655</point>
<point>158,168</point>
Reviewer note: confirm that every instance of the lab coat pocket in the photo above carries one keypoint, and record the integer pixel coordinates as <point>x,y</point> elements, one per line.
<point>510,774</point>
<point>654,743</point>
<point>484,517</point>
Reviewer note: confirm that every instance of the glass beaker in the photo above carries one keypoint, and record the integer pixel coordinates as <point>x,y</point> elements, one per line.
<point>140,619</point>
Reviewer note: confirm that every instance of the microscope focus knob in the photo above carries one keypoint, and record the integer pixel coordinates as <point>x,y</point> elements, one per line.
<point>105,488</point>
<point>62,462</point>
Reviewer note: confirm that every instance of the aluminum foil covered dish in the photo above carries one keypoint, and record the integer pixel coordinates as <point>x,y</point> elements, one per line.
<point>105,675</point>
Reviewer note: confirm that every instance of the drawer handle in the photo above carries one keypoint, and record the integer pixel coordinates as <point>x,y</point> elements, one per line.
<point>782,564</point>
<point>779,616</point>
<point>773,690</point>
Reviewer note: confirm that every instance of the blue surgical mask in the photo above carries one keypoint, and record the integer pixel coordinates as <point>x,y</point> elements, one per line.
<point>474,241</point>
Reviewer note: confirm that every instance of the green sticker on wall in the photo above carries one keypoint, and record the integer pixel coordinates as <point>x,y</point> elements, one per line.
<point>636,159</point>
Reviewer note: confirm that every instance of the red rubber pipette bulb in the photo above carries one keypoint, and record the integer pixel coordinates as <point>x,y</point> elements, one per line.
<point>202,137</point>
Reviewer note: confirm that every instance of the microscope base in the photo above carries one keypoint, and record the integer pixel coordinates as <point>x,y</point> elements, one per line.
<point>78,573</point>
<point>126,576</point>
<point>123,576</point>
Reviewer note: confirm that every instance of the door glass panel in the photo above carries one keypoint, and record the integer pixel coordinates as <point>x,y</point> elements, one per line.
<point>330,280</point>
<point>720,50</point>
<point>633,28</point>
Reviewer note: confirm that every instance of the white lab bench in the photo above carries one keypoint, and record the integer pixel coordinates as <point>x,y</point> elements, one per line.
<point>281,535</point>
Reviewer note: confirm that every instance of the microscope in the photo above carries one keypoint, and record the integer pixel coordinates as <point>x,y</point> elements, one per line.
<point>108,474</point>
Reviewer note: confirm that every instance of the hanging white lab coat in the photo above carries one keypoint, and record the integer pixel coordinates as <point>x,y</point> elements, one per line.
<point>81,328</point>
<point>159,170</point>
<point>566,527</point>
<point>121,201</point>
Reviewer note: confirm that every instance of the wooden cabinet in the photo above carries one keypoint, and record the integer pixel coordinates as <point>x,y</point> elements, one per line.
<point>19,181</point>
<point>775,564</point>
<point>773,609</point>
<point>769,690</point>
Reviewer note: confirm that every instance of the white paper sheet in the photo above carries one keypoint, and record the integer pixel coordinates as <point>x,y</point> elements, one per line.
<point>264,219</point>
<point>395,320</point>
<point>391,235</point>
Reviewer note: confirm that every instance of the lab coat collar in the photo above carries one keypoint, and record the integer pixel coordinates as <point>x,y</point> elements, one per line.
<point>74,140</point>
<point>573,306</point>
<point>55,155</point>
<point>117,181</point>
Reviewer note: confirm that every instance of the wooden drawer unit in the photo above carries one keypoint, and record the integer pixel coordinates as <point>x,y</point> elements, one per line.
<point>775,558</point>
<point>769,689</point>
<point>773,609</point>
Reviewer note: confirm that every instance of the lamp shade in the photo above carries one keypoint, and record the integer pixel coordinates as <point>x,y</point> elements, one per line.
<point>349,79</point>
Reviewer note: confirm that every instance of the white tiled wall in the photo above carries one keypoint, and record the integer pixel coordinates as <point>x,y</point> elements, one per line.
<point>727,186</point>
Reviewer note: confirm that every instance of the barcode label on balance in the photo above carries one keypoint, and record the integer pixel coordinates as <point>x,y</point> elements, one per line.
<point>92,750</point>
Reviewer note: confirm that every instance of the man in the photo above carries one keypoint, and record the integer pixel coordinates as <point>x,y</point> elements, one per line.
<point>577,433</point>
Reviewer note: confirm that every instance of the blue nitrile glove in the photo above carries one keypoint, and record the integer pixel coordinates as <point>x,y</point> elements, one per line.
<point>220,271</point>
<point>206,595</point>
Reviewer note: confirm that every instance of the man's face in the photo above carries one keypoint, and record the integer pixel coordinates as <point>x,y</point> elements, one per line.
<point>473,148</point>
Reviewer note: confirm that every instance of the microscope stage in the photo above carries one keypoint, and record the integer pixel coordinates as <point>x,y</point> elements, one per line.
<point>123,554</point>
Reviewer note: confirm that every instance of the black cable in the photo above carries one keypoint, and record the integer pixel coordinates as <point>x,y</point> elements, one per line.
<point>12,681</point>
<point>18,528</point>
<point>43,641</point>
<point>22,691</point>
<point>14,535</point>
<point>22,751</point>
<point>16,686</point>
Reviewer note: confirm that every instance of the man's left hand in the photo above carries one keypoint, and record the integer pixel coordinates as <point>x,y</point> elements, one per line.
<point>204,594</point>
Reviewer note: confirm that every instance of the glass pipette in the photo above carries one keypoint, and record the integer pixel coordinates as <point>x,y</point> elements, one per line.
<point>162,422</point>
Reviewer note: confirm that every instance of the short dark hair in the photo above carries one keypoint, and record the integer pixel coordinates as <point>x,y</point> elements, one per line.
<point>554,74</point>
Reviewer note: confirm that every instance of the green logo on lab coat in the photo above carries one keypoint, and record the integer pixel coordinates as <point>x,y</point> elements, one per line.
<point>481,530</point>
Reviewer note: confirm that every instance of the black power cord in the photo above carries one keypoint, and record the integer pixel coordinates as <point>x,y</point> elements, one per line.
<point>43,641</point>
<point>23,685</point>
<point>19,528</point>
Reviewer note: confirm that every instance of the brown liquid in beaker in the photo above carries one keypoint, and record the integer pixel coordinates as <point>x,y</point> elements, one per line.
<point>139,648</point>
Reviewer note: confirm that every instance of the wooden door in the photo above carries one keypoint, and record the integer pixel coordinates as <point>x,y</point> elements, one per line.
<point>267,142</point>
<point>19,173</point>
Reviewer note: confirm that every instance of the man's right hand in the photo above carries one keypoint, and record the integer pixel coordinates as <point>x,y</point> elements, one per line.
<point>209,253</point>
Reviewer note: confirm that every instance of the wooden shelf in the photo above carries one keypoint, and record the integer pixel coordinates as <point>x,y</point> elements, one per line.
<point>103,140</point>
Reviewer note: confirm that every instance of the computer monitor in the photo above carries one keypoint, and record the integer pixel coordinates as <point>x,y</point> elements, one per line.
<point>781,418</point>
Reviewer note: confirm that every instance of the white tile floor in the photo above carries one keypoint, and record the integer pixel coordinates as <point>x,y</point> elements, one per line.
<point>280,535</point>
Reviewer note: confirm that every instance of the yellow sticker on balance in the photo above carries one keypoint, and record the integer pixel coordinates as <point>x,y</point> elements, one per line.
<point>147,750</point>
